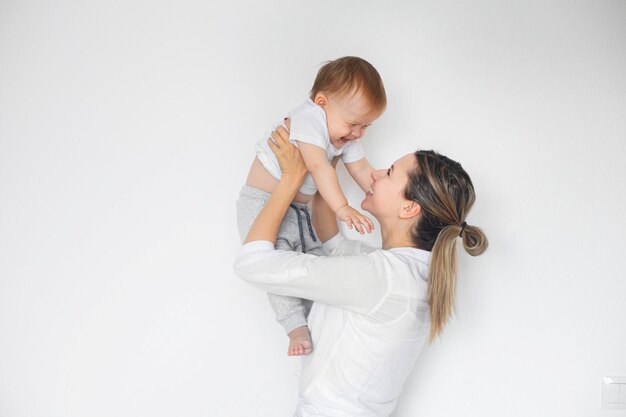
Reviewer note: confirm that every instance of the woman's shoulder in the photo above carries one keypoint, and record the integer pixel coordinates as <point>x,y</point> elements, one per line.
<point>411,255</point>
<point>417,261</point>
<point>340,245</point>
<point>397,264</point>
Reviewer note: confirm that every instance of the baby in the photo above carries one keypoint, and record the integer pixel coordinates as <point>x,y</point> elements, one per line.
<point>347,96</point>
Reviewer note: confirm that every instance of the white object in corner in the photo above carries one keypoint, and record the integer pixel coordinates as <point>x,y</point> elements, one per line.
<point>614,392</point>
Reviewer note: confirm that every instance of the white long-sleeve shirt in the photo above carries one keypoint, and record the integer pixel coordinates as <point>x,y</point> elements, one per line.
<point>368,324</point>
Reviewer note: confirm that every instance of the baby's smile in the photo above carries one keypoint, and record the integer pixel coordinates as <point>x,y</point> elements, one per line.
<point>342,141</point>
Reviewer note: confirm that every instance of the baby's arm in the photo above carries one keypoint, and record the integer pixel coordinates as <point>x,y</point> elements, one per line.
<point>328,185</point>
<point>361,172</point>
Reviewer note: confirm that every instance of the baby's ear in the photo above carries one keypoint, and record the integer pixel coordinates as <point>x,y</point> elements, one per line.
<point>321,100</point>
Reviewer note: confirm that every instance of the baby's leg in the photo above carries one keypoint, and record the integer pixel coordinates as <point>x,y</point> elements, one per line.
<point>290,312</point>
<point>296,233</point>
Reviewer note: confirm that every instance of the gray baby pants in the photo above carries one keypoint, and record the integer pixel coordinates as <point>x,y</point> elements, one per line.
<point>295,234</point>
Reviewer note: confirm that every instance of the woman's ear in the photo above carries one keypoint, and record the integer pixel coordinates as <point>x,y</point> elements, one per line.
<point>409,210</point>
<point>321,100</point>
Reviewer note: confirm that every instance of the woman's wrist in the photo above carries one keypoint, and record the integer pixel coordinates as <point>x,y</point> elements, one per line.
<point>267,222</point>
<point>293,178</point>
<point>293,169</point>
<point>288,186</point>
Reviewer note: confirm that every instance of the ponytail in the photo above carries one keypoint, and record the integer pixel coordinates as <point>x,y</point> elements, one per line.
<point>443,272</point>
<point>446,194</point>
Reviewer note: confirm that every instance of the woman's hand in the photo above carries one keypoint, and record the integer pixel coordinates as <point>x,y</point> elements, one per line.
<point>268,221</point>
<point>288,155</point>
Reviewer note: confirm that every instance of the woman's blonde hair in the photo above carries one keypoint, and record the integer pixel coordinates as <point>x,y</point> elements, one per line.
<point>445,194</point>
<point>349,75</point>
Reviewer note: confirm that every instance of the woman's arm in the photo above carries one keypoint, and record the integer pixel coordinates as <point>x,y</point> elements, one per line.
<point>355,282</point>
<point>268,221</point>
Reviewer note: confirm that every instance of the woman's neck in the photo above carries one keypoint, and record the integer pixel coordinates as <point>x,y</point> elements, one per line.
<point>396,237</point>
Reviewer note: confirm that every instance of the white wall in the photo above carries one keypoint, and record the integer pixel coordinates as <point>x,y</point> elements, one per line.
<point>126,131</point>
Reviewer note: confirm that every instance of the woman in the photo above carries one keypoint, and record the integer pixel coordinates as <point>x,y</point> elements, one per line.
<point>373,309</point>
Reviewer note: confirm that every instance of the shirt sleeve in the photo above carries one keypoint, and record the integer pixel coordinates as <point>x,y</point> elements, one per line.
<point>339,245</point>
<point>310,127</point>
<point>356,282</point>
<point>353,151</point>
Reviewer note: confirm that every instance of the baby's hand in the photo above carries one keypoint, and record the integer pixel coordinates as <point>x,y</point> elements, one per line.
<point>353,218</point>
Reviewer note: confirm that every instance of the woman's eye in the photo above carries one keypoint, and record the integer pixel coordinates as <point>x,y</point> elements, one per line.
<point>388,171</point>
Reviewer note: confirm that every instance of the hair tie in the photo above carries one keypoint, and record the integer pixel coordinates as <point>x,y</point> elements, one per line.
<point>462,228</point>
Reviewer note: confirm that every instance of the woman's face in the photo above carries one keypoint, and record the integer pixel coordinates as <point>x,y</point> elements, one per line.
<point>387,192</point>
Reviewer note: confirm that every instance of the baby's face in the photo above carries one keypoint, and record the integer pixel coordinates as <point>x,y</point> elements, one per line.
<point>348,116</point>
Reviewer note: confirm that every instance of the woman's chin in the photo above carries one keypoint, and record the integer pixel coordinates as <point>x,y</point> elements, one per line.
<point>365,203</point>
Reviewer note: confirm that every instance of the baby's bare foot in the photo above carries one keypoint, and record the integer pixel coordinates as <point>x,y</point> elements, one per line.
<point>300,342</point>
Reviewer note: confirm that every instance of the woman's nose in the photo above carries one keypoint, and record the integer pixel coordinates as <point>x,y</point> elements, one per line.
<point>376,174</point>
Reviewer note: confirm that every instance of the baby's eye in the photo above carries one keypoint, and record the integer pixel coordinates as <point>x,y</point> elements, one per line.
<point>352,124</point>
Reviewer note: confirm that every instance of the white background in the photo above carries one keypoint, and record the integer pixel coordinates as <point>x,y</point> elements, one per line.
<point>127,129</point>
